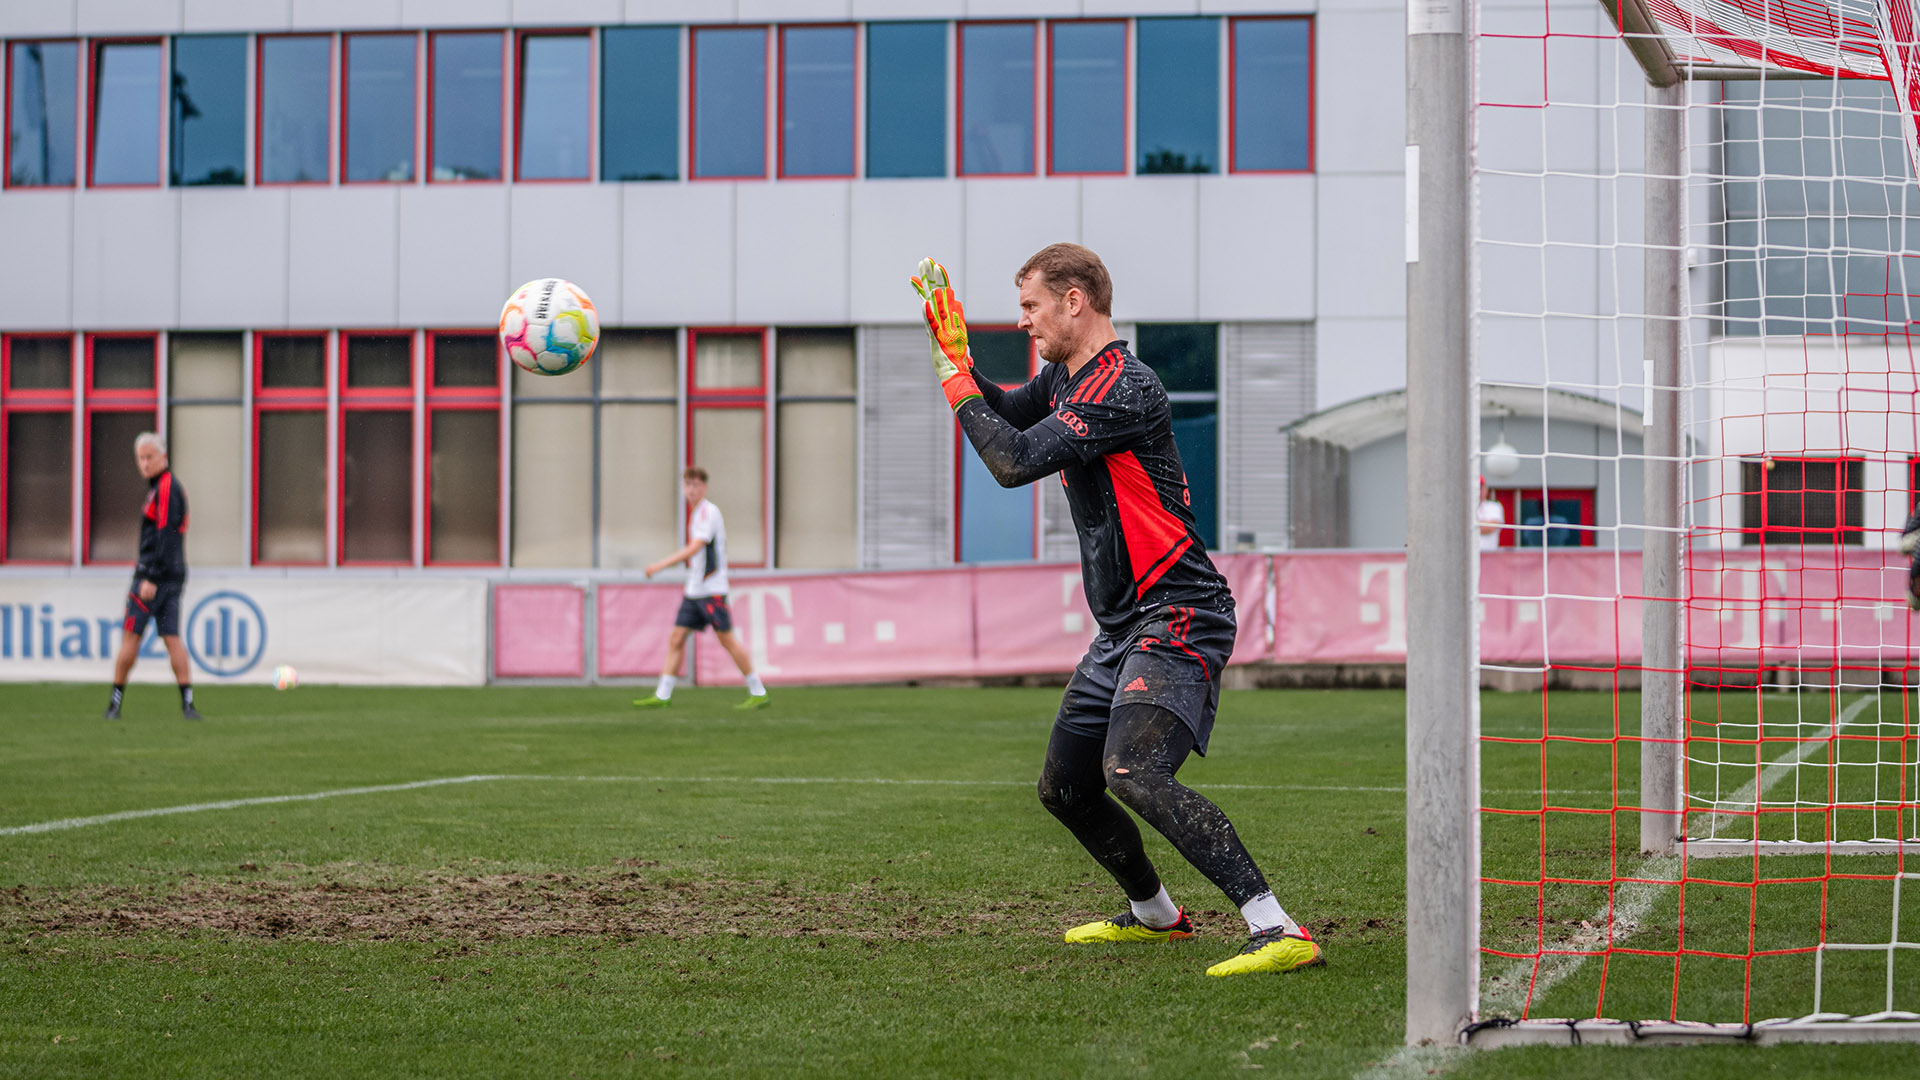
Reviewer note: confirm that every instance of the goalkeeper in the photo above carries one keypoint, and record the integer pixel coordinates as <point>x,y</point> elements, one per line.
<point>1144,696</point>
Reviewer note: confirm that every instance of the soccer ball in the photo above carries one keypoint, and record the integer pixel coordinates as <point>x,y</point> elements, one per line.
<point>549,326</point>
<point>285,678</point>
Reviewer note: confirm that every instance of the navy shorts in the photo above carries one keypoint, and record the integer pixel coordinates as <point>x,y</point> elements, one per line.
<point>163,609</point>
<point>699,612</point>
<point>1171,659</point>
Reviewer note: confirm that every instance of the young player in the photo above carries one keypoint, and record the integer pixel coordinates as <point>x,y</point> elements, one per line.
<point>706,601</point>
<point>1144,696</point>
<point>158,577</point>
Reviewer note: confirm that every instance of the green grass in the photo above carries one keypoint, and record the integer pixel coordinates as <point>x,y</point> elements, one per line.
<point>683,913</point>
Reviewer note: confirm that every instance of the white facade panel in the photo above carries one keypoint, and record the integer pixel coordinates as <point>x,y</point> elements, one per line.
<point>908,9</point>
<point>434,14</point>
<point>1094,8</point>
<point>343,261</point>
<point>1363,265</point>
<point>1263,7</point>
<point>1354,358</point>
<point>570,231</point>
<point>106,18</point>
<point>1022,9</point>
<point>201,16</point>
<point>36,277</point>
<point>1145,231</point>
<point>453,255</point>
<point>1361,98</point>
<point>794,10</point>
<point>51,18</point>
<point>678,252</point>
<point>125,259</point>
<point>687,11</point>
<point>791,253</point>
<point>567,12</point>
<point>233,258</point>
<point>345,14</point>
<point>1257,247</point>
<point>1006,222</point>
<point>894,224</point>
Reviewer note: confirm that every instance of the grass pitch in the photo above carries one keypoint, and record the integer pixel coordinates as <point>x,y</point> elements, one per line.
<point>855,882</point>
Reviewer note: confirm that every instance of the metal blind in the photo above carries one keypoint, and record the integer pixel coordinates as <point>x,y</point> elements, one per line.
<point>906,442</point>
<point>1266,383</point>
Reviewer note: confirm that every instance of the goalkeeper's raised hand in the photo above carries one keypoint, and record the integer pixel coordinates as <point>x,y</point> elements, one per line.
<point>947,327</point>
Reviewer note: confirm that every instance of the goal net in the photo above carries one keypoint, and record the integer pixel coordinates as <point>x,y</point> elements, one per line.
<point>1695,301</point>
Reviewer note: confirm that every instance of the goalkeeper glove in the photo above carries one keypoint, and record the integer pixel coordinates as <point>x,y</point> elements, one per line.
<point>947,328</point>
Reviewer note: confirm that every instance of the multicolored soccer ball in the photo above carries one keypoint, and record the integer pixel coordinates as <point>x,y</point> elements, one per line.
<point>549,326</point>
<point>285,678</point>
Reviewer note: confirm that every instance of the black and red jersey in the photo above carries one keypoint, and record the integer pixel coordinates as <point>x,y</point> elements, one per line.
<point>163,531</point>
<point>1108,431</point>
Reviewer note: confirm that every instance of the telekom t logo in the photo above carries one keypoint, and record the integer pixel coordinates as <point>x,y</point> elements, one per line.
<point>754,599</point>
<point>1392,607</point>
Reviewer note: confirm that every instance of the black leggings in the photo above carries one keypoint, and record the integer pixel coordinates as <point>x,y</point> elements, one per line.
<point>1145,746</point>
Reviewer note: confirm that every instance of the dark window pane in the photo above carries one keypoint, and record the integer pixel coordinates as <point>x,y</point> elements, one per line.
<point>1177,96</point>
<point>123,363</point>
<point>40,363</point>
<point>293,109</point>
<point>1001,355</point>
<point>466,360</point>
<point>1196,432</point>
<point>290,487</point>
<point>378,110</point>
<point>116,492</point>
<point>1550,524</point>
<point>209,111</point>
<point>40,486</point>
<point>903,59</point>
<point>1088,103</point>
<point>996,523</point>
<point>376,502</point>
<point>1186,356</point>
<point>730,103</point>
<point>556,96</point>
<point>1787,501</point>
<point>379,360</point>
<point>1271,97</point>
<point>640,103</point>
<point>465,515</point>
<point>466,107</point>
<point>996,98</point>
<point>43,90</point>
<point>816,94</point>
<point>293,362</point>
<point>126,115</point>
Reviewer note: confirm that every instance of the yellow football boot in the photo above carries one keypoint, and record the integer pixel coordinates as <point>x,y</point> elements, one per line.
<point>1276,951</point>
<point>1128,928</point>
<point>756,701</point>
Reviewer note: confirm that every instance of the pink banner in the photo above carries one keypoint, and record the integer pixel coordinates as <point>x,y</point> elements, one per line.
<point>833,628</point>
<point>631,624</point>
<point>537,631</point>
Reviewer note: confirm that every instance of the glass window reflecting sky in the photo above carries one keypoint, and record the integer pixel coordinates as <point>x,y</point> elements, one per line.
<point>903,61</point>
<point>126,114</point>
<point>1177,96</point>
<point>996,98</point>
<point>208,143</point>
<point>730,102</point>
<point>466,107</point>
<point>1272,95</point>
<point>378,111</point>
<point>556,98</point>
<point>43,91</point>
<point>293,108</point>
<point>640,103</point>
<point>1088,103</point>
<point>816,94</point>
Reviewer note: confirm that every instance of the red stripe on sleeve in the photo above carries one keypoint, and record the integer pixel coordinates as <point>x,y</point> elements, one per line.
<point>1155,538</point>
<point>163,501</point>
<point>1101,364</point>
<point>1103,382</point>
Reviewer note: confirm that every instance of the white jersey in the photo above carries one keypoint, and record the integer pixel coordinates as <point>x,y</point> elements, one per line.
<point>707,571</point>
<point>1492,516</point>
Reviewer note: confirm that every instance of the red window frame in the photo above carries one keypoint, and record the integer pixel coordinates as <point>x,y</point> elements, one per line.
<point>593,101</point>
<point>94,45</point>
<point>780,92</point>
<point>345,68</point>
<point>507,42</point>
<point>731,397</point>
<point>693,99</point>
<point>1313,92</point>
<point>110,400</point>
<point>960,94</point>
<point>282,399</point>
<point>21,401</point>
<point>335,75</point>
<point>1126,97</point>
<point>370,399</point>
<point>962,446</point>
<point>6,123</point>
<point>458,398</point>
<point>1509,499</point>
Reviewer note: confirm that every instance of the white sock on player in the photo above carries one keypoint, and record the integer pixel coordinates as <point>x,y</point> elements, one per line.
<point>755,686</point>
<point>1159,911</point>
<point>1264,913</point>
<point>665,690</point>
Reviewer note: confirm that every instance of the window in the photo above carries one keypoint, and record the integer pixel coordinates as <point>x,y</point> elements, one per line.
<point>293,130</point>
<point>995,524</point>
<point>1186,356</point>
<point>996,99</point>
<point>290,480</point>
<point>43,89</point>
<point>122,401</point>
<point>816,100</point>
<point>729,104</point>
<point>903,59</point>
<point>1087,97</point>
<point>463,106</point>
<point>207,144</point>
<point>1554,517</point>
<point>376,107</point>
<point>1272,106</point>
<point>640,103</point>
<point>36,448</point>
<point>205,441</point>
<point>556,91</point>
<point>1177,96</point>
<point>376,449</point>
<point>463,448</point>
<point>1803,501</point>
<point>817,469</point>
<point>727,432</point>
<point>124,138</point>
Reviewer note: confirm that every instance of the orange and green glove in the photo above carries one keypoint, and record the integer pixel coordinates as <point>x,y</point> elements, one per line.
<point>947,327</point>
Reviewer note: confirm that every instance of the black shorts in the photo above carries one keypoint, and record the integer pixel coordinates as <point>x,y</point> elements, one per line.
<point>163,609</point>
<point>700,612</point>
<point>1171,659</point>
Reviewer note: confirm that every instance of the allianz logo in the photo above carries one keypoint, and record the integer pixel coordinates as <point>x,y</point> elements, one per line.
<point>225,632</point>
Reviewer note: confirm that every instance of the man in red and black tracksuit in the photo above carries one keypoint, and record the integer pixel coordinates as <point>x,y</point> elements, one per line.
<point>1144,696</point>
<point>158,577</point>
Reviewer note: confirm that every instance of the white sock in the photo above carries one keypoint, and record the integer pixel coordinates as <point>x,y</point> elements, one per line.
<point>665,690</point>
<point>1264,913</point>
<point>755,686</point>
<point>1158,911</point>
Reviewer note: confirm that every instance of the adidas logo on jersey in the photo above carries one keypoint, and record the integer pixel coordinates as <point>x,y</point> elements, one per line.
<point>1139,683</point>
